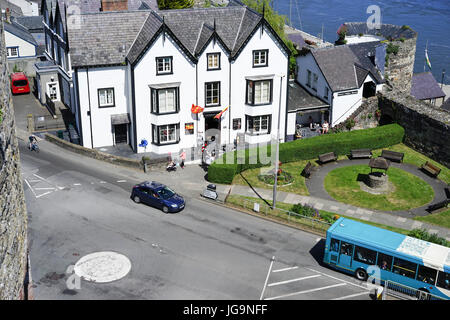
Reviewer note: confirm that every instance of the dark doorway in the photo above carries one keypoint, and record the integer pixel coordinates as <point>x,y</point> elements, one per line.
<point>121,133</point>
<point>212,126</point>
<point>369,89</point>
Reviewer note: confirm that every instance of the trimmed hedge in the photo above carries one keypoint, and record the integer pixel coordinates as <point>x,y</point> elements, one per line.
<point>341,143</point>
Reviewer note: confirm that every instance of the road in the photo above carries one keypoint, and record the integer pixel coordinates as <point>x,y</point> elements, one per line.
<point>78,206</point>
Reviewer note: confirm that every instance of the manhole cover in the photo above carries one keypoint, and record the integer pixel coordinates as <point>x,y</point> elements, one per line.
<point>101,267</point>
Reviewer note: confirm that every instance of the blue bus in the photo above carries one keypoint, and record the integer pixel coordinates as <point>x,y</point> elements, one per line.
<point>357,248</point>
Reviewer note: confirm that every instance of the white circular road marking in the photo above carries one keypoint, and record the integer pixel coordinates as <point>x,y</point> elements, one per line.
<point>101,267</point>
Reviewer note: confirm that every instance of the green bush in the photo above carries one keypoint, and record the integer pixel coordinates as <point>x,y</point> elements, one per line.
<point>223,171</point>
<point>305,210</point>
<point>422,234</point>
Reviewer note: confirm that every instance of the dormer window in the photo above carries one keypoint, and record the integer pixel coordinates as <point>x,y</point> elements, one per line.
<point>260,58</point>
<point>164,65</point>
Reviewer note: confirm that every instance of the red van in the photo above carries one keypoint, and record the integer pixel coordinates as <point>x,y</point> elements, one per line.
<point>19,83</point>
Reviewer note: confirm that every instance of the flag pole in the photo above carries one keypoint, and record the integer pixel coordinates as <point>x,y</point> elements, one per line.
<point>426,55</point>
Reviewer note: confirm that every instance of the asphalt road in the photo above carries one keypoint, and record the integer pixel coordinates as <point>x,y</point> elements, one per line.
<point>78,206</point>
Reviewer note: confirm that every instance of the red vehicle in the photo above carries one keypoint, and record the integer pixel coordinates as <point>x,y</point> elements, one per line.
<point>19,83</point>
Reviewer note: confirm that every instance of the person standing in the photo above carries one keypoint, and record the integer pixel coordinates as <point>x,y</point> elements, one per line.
<point>183,158</point>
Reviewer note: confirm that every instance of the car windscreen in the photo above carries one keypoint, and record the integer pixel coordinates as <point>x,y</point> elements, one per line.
<point>165,193</point>
<point>20,83</point>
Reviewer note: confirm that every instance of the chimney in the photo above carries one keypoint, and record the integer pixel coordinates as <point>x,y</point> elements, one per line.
<point>8,15</point>
<point>114,5</point>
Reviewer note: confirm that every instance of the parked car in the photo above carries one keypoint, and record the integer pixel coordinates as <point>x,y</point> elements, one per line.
<point>157,195</point>
<point>19,83</point>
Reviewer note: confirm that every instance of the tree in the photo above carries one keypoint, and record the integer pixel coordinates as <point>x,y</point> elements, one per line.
<point>175,4</point>
<point>277,22</point>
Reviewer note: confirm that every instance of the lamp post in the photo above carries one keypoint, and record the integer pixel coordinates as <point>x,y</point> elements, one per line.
<point>277,152</point>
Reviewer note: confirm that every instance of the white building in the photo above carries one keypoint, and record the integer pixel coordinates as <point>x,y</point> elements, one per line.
<point>341,77</point>
<point>19,42</point>
<point>138,84</point>
<point>29,8</point>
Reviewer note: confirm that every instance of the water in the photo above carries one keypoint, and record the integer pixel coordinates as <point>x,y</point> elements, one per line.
<point>430,18</point>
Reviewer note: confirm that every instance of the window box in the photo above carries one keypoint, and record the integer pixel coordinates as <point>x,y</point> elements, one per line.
<point>164,65</point>
<point>259,92</point>
<point>166,134</point>
<point>106,98</point>
<point>213,61</point>
<point>260,58</point>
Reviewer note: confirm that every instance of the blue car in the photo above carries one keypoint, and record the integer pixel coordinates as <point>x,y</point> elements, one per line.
<point>157,195</point>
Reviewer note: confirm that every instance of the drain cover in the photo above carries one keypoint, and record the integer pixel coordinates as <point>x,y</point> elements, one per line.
<point>106,266</point>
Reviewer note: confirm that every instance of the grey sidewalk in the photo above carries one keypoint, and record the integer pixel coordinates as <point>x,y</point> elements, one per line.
<point>343,209</point>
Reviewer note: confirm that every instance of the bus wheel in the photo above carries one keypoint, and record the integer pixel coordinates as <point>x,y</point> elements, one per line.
<point>361,274</point>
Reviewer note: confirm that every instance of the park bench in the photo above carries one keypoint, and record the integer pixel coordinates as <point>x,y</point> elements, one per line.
<point>431,169</point>
<point>392,155</point>
<point>307,170</point>
<point>330,156</point>
<point>437,206</point>
<point>360,153</point>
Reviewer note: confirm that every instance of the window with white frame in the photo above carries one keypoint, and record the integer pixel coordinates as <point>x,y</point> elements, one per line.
<point>258,124</point>
<point>260,58</point>
<point>106,97</point>
<point>164,65</point>
<point>165,100</point>
<point>12,52</point>
<point>212,94</point>
<point>213,61</point>
<point>259,92</point>
<point>166,134</point>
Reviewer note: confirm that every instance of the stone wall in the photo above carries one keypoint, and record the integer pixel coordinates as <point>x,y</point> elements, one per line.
<point>13,214</point>
<point>399,69</point>
<point>427,128</point>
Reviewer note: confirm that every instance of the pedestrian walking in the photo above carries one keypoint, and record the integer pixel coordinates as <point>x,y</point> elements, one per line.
<point>183,158</point>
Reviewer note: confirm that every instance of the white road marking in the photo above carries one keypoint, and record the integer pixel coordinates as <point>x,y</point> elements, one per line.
<point>77,184</point>
<point>306,291</point>
<point>267,278</point>
<point>351,296</point>
<point>44,188</point>
<point>324,274</point>
<point>293,280</point>
<point>29,186</point>
<point>121,180</point>
<point>285,269</point>
<point>102,181</point>
<point>43,194</point>
<point>34,174</point>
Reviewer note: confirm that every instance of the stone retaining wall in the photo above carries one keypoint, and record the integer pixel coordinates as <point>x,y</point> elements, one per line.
<point>13,213</point>
<point>427,128</point>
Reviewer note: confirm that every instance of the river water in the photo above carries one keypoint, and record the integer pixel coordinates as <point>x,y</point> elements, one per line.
<point>430,18</point>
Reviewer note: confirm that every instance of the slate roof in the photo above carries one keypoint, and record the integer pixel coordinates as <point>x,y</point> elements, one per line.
<point>386,30</point>
<point>104,38</point>
<point>346,67</point>
<point>194,27</point>
<point>300,99</point>
<point>297,39</point>
<point>31,23</point>
<point>424,86</point>
<point>19,31</point>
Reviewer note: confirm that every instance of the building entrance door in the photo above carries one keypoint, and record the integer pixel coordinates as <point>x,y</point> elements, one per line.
<point>53,91</point>
<point>212,127</point>
<point>121,133</point>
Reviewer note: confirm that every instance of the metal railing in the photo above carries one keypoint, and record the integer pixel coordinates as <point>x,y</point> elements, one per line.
<point>401,291</point>
<point>287,215</point>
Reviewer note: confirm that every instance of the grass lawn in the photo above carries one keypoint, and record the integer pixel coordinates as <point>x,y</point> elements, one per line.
<point>440,219</point>
<point>410,191</point>
<point>416,158</point>
<point>298,186</point>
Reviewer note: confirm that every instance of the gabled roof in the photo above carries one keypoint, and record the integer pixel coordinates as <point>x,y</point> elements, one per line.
<point>19,31</point>
<point>363,52</point>
<point>104,38</point>
<point>193,28</point>
<point>424,86</point>
<point>31,23</point>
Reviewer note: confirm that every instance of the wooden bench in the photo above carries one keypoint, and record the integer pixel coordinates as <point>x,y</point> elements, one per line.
<point>437,206</point>
<point>431,169</point>
<point>360,153</point>
<point>392,155</point>
<point>307,170</point>
<point>330,156</point>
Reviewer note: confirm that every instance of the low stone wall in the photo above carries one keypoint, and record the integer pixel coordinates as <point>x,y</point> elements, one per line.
<point>427,128</point>
<point>95,154</point>
<point>13,212</point>
<point>25,65</point>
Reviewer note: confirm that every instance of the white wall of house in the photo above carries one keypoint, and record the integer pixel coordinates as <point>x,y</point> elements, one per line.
<point>29,8</point>
<point>291,121</point>
<point>26,49</point>
<point>242,68</point>
<point>89,81</point>
<point>145,76</point>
